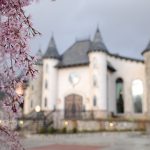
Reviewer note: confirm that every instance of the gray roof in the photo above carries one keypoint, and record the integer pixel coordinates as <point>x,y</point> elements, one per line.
<point>52,51</point>
<point>147,48</point>
<point>98,44</point>
<point>76,54</point>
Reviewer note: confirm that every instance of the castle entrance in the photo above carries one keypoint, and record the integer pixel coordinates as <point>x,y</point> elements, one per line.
<point>73,106</point>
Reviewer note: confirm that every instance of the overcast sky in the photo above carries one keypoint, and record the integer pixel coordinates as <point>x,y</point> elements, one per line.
<point>124,24</point>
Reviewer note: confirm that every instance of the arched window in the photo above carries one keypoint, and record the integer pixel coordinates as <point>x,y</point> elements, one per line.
<point>137,95</point>
<point>46,84</point>
<point>45,102</point>
<point>94,101</point>
<point>119,96</point>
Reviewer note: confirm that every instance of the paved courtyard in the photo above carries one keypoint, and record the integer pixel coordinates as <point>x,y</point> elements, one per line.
<point>88,141</point>
<point>67,147</point>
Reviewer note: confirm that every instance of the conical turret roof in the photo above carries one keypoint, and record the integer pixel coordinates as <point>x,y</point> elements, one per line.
<point>97,43</point>
<point>52,51</point>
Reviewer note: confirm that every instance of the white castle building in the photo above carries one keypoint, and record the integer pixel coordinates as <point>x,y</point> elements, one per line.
<point>89,78</point>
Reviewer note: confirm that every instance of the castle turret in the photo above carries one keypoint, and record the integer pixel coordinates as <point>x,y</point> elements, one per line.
<point>98,70</point>
<point>146,54</point>
<point>33,93</point>
<point>50,77</point>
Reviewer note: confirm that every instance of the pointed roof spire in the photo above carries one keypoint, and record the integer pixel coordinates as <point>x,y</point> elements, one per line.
<point>98,44</point>
<point>52,42</point>
<point>147,48</point>
<point>39,53</point>
<point>39,57</point>
<point>51,50</point>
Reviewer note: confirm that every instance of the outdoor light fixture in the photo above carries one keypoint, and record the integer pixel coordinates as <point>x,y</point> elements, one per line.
<point>37,108</point>
<point>66,123</point>
<point>21,122</point>
<point>111,124</point>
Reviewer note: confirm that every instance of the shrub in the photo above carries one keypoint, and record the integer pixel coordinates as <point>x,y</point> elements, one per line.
<point>64,130</point>
<point>51,130</point>
<point>74,130</point>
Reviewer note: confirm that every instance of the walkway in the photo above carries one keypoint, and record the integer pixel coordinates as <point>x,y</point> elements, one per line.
<point>88,141</point>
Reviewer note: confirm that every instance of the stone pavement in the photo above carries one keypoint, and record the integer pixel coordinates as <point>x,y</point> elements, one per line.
<point>67,147</point>
<point>93,141</point>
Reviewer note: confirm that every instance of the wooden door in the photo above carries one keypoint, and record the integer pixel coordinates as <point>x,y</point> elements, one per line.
<point>73,106</point>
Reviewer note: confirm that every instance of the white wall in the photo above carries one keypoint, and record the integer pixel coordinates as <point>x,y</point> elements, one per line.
<point>98,68</point>
<point>128,71</point>
<point>51,77</point>
<point>34,91</point>
<point>147,71</point>
<point>59,86</point>
<point>82,88</point>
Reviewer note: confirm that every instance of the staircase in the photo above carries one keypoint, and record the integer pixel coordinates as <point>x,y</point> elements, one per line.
<point>34,121</point>
<point>48,119</point>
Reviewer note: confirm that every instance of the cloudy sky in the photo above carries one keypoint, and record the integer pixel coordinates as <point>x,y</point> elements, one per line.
<point>124,24</point>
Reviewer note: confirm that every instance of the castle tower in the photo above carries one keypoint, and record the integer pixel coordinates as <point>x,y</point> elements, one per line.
<point>50,77</point>
<point>98,72</point>
<point>146,54</point>
<point>33,93</point>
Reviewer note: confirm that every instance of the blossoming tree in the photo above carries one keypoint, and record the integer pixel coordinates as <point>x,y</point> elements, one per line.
<point>15,32</point>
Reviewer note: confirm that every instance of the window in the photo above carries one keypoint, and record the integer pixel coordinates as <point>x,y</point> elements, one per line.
<point>54,107</point>
<point>94,63</point>
<point>95,81</point>
<point>46,84</point>
<point>45,102</point>
<point>137,95</point>
<point>46,68</point>
<point>94,101</point>
<point>84,108</point>
<point>32,87</point>
<point>31,104</point>
<point>119,96</point>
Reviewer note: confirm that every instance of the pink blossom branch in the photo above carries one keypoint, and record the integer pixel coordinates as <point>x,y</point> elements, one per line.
<point>15,32</point>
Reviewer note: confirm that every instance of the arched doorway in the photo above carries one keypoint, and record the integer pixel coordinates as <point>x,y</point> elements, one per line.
<point>119,95</point>
<point>73,106</point>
